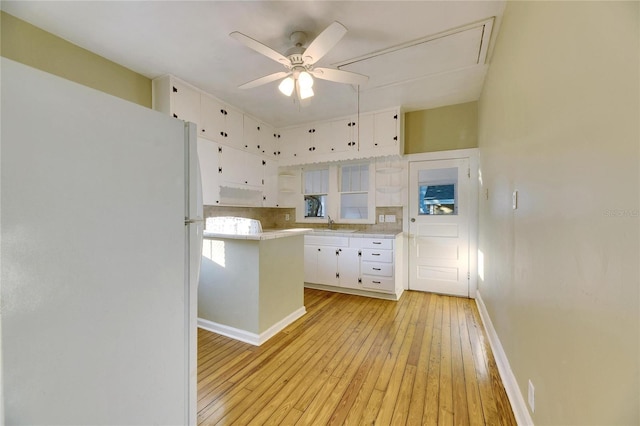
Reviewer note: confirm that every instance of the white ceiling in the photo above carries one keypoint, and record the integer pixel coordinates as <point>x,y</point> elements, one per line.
<point>191,41</point>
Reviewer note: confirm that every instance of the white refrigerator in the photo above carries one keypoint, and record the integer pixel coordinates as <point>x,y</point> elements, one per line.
<point>101,239</point>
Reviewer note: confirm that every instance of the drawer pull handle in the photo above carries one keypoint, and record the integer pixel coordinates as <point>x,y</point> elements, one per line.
<point>377,242</point>
<point>375,254</point>
<point>377,269</point>
<point>376,282</point>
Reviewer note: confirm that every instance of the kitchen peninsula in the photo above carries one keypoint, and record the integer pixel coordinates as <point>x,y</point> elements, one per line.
<point>251,286</point>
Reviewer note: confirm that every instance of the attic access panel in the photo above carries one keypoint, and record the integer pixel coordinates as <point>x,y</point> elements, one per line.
<point>440,53</point>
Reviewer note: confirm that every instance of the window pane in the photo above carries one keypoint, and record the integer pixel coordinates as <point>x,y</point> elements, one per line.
<point>316,181</point>
<point>364,177</point>
<point>437,192</point>
<point>345,183</point>
<point>354,206</point>
<point>315,205</point>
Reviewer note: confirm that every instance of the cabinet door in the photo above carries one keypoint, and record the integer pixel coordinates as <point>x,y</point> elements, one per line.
<point>270,187</point>
<point>320,138</point>
<point>185,102</point>
<point>212,119</point>
<point>240,167</point>
<point>343,135</point>
<point>250,134</point>
<point>364,135</point>
<point>349,267</point>
<point>293,142</point>
<point>208,158</point>
<point>385,129</point>
<point>266,140</point>
<point>232,125</point>
<point>327,266</point>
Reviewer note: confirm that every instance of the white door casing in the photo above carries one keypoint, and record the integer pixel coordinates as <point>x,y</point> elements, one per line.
<point>439,241</point>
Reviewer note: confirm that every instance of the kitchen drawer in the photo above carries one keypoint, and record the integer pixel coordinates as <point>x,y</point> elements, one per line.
<point>376,268</point>
<point>374,243</point>
<point>382,284</point>
<point>373,255</point>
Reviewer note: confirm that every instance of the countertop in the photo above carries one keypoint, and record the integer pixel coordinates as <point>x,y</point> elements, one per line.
<point>265,235</point>
<point>269,234</point>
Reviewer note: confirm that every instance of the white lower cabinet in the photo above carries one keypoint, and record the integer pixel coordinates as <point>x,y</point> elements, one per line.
<point>358,263</point>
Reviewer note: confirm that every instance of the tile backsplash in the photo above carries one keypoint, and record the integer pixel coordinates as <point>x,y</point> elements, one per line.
<point>274,218</point>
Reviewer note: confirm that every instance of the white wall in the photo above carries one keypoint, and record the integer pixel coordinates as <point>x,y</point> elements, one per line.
<point>559,122</point>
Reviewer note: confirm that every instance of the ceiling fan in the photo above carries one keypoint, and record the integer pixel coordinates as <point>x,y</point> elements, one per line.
<point>299,62</point>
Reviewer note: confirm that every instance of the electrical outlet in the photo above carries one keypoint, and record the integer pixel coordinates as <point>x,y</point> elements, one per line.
<point>531,397</point>
<point>514,200</point>
<point>380,218</point>
<point>391,218</point>
<point>286,217</point>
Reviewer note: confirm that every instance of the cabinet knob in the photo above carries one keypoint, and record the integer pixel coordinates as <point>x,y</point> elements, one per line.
<point>175,89</point>
<point>319,250</point>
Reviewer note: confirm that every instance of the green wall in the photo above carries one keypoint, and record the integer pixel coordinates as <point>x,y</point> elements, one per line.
<point>441,129</point>
<point>27,44</point>
<point>558,122</point>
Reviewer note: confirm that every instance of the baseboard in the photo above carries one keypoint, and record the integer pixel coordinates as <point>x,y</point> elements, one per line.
<point>247,336</point>
<point>355,292</point>
<point>516,399</point>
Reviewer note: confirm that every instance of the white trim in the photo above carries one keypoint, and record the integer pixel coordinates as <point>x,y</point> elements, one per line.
<point>516,399</point>
<point>247,336</point>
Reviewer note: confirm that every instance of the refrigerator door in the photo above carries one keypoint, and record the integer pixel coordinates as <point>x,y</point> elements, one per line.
<point>194,224</point>
<point>96,317</point>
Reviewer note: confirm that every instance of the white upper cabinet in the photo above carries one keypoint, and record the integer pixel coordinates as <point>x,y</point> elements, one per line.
<point>208,156</point>
<point>386,129</point>
<point>220,122</point>
<point>176,98</point>
<point>239,168</point>
<point>259,137</point>
<point>369,135</point>
<point>343,135</point>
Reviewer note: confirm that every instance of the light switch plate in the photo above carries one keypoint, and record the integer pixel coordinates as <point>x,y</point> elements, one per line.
<point>380,218</point>
<point>391,218</point>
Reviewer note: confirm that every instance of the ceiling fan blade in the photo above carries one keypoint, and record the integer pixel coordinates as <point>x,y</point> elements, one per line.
<point>264,80</point>
<point>324,42</point>
<point>340,76</point>
<point>260,48</point>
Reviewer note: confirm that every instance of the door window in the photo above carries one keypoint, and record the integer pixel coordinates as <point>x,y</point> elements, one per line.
<point>437,192</point>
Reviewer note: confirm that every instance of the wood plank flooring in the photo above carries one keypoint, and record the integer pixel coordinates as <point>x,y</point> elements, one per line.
<point>351,360</point>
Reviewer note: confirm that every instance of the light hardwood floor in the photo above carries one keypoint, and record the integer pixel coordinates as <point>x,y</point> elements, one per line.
<point>424,360</point>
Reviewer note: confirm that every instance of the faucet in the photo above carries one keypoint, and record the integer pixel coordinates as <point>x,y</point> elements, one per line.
<point>330,222</point>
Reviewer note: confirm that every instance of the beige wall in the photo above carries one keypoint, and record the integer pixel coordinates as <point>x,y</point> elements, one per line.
<point>441,129</point>
<point>559,122</point>
<point>24,43</point>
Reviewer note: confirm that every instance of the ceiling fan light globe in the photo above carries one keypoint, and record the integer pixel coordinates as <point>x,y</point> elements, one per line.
<point>305,80</point>
<point>286,86</point>
<point>305,92</point>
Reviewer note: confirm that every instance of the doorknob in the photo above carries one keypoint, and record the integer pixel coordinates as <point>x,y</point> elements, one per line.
<point>413,219</point>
